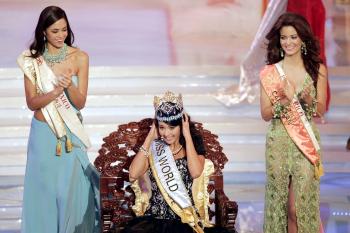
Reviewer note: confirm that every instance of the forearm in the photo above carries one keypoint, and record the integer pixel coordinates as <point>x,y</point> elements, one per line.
<point>320,109</point>
<point>139,165</point>
<point>195,163</point>
<point>77,98</point>
<point>39,101</point>
<point>267,113</point>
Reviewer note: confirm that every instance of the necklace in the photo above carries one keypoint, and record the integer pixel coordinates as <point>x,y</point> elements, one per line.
<point>51,59</point>
<point>177,151</point>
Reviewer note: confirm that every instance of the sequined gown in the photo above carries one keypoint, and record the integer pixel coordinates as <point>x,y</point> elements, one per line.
<point>159,217</point>
<point>283,161</point>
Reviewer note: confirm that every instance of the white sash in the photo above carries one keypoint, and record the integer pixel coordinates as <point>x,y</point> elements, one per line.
<point>168,174</point>
<point>60,110</point>
<point>300,110</point>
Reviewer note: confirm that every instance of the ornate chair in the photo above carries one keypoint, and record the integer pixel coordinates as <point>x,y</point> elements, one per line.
<point>117,197</point>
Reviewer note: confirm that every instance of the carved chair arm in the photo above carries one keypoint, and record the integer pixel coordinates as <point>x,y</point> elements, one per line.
<point>226,211</point>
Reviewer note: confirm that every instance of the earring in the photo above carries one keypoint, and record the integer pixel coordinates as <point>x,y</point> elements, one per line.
<point>303,48</point>
<point>281,52</point>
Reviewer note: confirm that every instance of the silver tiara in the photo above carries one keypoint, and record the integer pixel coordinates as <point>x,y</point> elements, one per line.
<point>163,104</point>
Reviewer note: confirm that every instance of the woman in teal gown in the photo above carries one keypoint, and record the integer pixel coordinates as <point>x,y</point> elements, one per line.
<point>61,192</point>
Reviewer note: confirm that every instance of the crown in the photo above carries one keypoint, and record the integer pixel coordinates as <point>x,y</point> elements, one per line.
<point>168,104</point>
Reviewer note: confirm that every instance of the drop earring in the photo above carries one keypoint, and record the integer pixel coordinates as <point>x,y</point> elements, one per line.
<point>303,48</point>
<point>281,52</point>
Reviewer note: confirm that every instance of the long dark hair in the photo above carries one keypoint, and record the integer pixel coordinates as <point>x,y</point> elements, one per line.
<point>312,59</point>
<point>47,17</point>
<point>196,136</point>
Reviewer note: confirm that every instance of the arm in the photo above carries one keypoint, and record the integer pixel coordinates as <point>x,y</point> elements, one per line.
<point>322,91</point>
<point>37,101</point>
<point>139,164</point>
<point>266,108</point>
<point>195,161</point>
<point>77,94</point>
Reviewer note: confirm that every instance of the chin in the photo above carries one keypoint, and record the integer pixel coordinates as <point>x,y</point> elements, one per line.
<point>58,44</point>
<point>291,53</point>
<point>169,142</point>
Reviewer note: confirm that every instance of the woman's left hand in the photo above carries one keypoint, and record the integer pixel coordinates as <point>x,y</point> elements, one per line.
<point>186,126</point>
<point>306,94</point>
<point>65,79</point>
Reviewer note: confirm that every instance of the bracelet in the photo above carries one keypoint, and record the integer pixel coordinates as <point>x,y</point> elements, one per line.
<point>145,152</point>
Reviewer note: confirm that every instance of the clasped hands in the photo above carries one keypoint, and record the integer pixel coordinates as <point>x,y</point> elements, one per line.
<point>64,81</point>
<point>286,92</point>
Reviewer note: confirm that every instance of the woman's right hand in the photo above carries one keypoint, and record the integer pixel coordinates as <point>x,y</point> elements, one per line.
<point>58,90</point>
<point>286,92</point>
<point>153,133</point>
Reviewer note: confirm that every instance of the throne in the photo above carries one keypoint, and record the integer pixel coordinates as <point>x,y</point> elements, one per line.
<point>117,197</point>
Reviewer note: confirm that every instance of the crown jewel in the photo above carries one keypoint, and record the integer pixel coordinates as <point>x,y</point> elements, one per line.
<point>168,107</point>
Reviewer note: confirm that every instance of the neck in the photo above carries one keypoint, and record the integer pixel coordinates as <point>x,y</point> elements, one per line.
<point>52,49</point>
<point>175,146</point>
<point>294,60</point>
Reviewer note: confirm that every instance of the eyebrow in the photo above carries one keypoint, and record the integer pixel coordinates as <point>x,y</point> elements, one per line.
<point>290,35</point>
<point>58,28</point>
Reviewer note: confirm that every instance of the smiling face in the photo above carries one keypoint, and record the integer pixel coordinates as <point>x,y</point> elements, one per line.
<point>57,33</point>
<point>170,134</point>
<point>290,41</point>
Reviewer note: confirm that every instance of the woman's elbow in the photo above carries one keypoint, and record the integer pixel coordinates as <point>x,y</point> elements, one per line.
<point>80,105</point>
<point>132,176</point>
<point>321,111</point>
<point>32,106</point>
<point>265,117</point>
<point>195,175</point>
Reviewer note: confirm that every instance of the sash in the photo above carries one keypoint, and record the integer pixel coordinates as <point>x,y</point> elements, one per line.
<point>295,121</point>
<point>170,184</point>
<point>59,112</point>
<point>201,197</point>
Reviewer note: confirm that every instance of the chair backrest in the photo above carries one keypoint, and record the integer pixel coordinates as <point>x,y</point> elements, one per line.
<point>114,160</point>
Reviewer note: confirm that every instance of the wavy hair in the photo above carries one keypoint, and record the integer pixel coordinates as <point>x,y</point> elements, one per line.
<point>312,59</point>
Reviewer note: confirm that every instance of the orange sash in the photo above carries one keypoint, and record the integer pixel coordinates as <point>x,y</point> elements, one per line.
<point>295,121</point>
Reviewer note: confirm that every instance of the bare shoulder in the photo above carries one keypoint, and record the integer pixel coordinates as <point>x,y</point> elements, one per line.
<point>82,56</point>
<point>78,54</point>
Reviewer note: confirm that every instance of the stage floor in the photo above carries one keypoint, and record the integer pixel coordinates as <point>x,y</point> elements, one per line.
<point>245,188</point>
<point>134,54</point>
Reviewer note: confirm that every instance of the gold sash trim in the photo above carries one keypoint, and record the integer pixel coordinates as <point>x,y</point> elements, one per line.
<point>199,192</point>
<point>59,112</point>
<point>188,215</point>
<point>294,121</point>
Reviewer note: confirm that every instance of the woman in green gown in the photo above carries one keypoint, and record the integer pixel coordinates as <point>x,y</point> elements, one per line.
<point>292,189</point>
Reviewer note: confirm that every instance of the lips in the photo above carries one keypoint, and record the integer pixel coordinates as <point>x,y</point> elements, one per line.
<point>290,49</point>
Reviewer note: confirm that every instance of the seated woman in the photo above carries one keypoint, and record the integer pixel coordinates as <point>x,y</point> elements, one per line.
<point>170,174</point>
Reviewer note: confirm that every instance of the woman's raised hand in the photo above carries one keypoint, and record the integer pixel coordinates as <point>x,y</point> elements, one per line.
<point>288,91</point>
<point>153,133</point>
<point>186,125</point>
<point>306,94</point>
